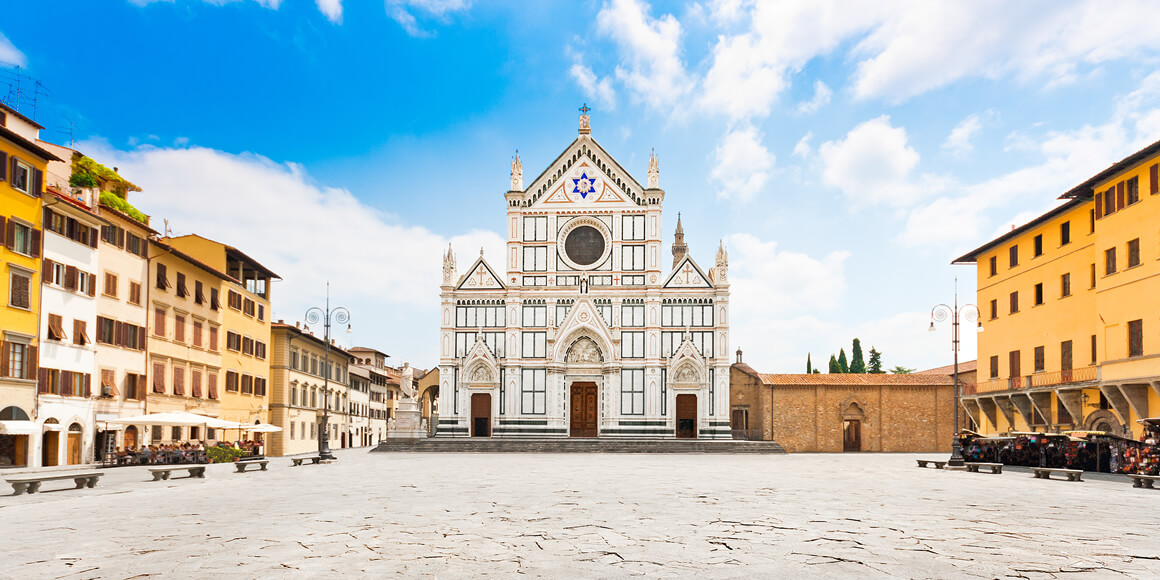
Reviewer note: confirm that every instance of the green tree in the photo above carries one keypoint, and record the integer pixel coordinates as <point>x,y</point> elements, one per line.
<point>809,365</point>
<point>835,368</point>
<point>857,364</point>
<point>817,372</point>
<point>901,370</point>
<point>842,361</point>
<point>875,365</point>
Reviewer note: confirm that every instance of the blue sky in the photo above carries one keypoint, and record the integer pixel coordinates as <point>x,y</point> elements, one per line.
<point>845,152</point>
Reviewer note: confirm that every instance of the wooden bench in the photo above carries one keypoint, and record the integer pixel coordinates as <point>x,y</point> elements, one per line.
<point>1045,473</point>
<point>31,483</point>
<point>299,460</point>
<point>937,464</point>
<point>1143,480</point>
<point>242,466</point>
<point>994,467</point>
<point>162,472</point>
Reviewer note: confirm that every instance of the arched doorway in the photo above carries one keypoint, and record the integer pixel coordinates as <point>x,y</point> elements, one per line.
<point>50,443</point>
<point>75,444</point>
<point>14,445</point>
<point>130,437</point>
<point>852,427</point>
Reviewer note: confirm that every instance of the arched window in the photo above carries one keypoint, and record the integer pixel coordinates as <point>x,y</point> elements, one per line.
<point>13,413</point>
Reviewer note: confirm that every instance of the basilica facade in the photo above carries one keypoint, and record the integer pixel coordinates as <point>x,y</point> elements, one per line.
<point>591,329</point>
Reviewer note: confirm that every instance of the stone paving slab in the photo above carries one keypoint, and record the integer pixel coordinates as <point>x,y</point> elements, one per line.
<point>566,515</point>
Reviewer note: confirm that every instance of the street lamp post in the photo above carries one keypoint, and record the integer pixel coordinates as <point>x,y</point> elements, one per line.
<point>340,315</point>
<point>938,314</point>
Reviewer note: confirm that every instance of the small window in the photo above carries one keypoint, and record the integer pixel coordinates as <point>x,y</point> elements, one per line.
<point>1039,294</point>
<point>1040,363</point>
<point>994,309</point>
<point>21,176</point>
<point>1134,253</point>
<point>995,367</point>
<point>1065,285</point>
<point>182,290</point>
<point>1091,221</point>
<point>20,238</point>
<point>1064,233</point>
<point>1094,349</point>
<point>1093,276</point>
<point>1038,245</point>
<point>1014,302</point>
<point>1133,188</point>
<point>994,265</point>
<point>19,290</point>
<point>1013,256</point>
<point>1136,338</point>
<point>1109,261</point>
<point>110,285</point>
<point>135,293</point>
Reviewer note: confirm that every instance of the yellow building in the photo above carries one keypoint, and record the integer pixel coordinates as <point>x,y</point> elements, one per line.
<point>184,344</point>
<point>245,327</point>
<point>1072,329</point>
<point>22,168</point>
<point>299,388</point>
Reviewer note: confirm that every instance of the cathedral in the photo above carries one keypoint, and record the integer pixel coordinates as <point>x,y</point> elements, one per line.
<point>589,331</point>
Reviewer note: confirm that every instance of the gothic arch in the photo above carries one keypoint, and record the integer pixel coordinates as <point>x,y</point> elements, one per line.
<point>603,344</point>
<point>851,409</point>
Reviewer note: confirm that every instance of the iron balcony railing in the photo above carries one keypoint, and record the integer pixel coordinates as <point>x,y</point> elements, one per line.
<point>1043,379</point>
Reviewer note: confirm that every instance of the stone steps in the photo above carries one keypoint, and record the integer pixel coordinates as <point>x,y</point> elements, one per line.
<point>488,445</point>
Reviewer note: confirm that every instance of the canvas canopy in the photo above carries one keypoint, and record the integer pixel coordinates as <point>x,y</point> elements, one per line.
<point>262,428</point>
<point>17,427</point>
<point>176,419</point>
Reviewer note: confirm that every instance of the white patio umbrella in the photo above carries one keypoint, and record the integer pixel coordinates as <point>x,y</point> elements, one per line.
<point>261,428</point>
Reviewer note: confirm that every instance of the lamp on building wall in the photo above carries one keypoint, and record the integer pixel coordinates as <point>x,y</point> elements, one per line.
<point>940,313</point>
<point>314,315</point>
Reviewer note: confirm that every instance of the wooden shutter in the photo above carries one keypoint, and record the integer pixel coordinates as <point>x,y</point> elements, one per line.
<point>1099,198</point>
<point>92,284</point>
<point>31,364</point>
<point>88,385</point>
<point>35,242</point>
<point>66,384</point>
<point>1154,176</point>
<point>11,236</point>
<point>42,381</point>
<point>3,166</point>
<point>3,231</point>
<point>93,237</point>
<point>37,182</point>
<point>70,278</point>
<point>120,238</point>
<point>4,348</point>
<point>141,338</point>
<point>12,166</point>
<point>158,379</point>
<point>1120,196</point>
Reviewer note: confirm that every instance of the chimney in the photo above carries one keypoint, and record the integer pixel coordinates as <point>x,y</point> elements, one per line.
<point>739,356</point>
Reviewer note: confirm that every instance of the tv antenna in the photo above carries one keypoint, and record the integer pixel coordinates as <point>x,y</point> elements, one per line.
<point>24,92</point>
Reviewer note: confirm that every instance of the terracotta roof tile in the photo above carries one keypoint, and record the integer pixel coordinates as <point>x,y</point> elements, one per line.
<point>855,379</point>
<point>964,367</point>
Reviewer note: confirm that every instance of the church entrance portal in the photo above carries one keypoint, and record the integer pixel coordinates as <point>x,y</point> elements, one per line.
<point>481,415</point>
<point>687,416</point>
<point>584,401</point>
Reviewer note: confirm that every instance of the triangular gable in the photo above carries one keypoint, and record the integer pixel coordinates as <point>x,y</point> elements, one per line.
<point>480,277</point>
<point>564,187</point>
<point>583,314</point>
<point>687,274</point>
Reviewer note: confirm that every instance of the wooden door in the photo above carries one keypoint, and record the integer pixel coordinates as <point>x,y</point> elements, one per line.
<point>50,449</point>
<point>74,448</point>
<point>687,416</point>
<point>851,435</point>
<point>481,415</point>
<point>584,410</point>
<point>130,437</point>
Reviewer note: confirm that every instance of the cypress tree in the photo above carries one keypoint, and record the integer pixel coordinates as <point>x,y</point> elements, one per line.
<point>809,365</point>
<point>875,365</point>
<point>842,364</point>
<point>817,372</point>
<point>834,367</point>
<point>857,365</point>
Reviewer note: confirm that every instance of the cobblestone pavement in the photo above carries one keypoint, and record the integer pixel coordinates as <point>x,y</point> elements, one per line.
<point>581,515</point>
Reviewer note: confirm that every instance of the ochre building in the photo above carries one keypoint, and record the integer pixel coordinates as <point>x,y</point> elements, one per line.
<point>843,412</point>
<point>1068,304</point>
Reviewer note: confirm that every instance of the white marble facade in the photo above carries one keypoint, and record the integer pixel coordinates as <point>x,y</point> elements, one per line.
<point>592,330</point>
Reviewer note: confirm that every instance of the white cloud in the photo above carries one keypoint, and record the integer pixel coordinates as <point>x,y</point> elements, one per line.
<point>332,9</point>
<point>650,50</point>
<point>741,82</point>
<point>873,164</point>
<point>959,140</point>
<point>10,54</point>
<point>784,296</point>
<point>821,98</point>
<point>598,89</point>
<point>803,148</point>
<point>386,271</point>
<point>403,12</point>
<point>742,164</point>
<point>1068,158</point>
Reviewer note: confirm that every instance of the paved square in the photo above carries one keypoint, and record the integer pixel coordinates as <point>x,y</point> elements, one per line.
<point>455,515</point>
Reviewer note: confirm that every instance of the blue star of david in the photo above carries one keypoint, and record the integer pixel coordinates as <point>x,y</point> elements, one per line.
<point>584,185</point>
